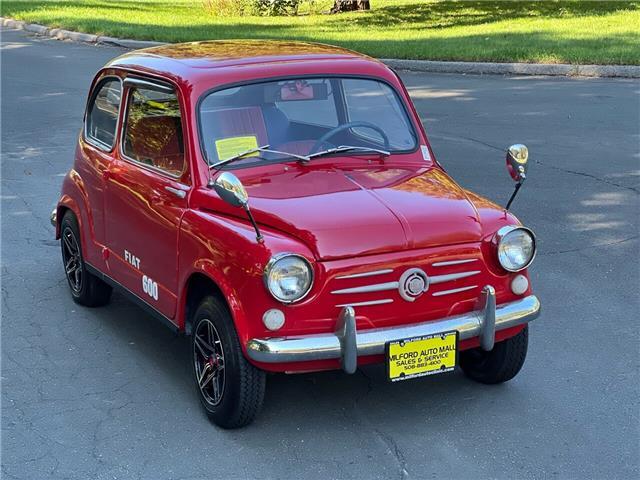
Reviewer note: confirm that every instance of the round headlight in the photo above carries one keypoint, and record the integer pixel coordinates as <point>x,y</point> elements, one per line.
<point>288,277</point>
<point>516,248</point>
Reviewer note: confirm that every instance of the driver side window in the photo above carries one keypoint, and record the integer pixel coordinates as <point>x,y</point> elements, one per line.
<point>374,102</point>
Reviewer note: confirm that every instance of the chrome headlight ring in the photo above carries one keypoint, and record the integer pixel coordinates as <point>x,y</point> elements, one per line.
<point>288,277</point>
<point>509,259</point>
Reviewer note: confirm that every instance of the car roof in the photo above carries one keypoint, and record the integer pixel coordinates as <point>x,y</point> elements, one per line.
<point>234,60</point>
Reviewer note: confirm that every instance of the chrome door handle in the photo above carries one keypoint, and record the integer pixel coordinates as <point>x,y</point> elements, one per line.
<point>176,191</point>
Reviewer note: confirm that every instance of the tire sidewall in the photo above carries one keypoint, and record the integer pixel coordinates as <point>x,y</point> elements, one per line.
<point>211,309</point>
<point>70,222</point>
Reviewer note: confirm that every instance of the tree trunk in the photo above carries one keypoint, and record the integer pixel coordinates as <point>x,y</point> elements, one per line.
<point>350,5</point>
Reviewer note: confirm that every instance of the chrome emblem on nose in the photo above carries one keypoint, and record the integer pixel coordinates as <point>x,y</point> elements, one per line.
<point>413,283</point>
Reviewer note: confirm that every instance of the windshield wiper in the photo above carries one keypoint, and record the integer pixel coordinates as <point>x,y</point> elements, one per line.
<point>347,148</point>
<point>264,148</point>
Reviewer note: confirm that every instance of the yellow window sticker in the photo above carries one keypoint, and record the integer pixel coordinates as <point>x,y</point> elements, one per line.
<point>228,147</point>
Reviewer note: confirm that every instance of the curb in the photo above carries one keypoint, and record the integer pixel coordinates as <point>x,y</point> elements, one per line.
<point>477,68</point>
<point>554,69</point>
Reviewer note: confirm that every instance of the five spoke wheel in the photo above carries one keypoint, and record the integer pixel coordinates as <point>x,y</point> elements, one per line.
<point>208,357</point>
<point>72,259</point>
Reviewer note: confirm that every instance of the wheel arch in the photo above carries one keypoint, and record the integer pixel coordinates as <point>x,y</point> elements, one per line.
<point>197,286</point>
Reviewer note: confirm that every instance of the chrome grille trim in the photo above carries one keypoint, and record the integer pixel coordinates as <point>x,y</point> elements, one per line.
<point>398,286</point>
<point>377,287</point>
<point>452,276</point>
<point>365,274</point>
<point>371,302</point>
<point>380,287</point>
<point>454,262</point>
<point>454,290</point>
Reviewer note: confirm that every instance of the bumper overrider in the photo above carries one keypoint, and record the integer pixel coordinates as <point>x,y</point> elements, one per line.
<point>347,344</point>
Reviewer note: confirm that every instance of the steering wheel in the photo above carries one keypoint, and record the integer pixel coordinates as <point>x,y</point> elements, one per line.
<point>345,126</point>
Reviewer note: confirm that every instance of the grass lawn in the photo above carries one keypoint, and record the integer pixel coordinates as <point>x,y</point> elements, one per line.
<point>531,31</point>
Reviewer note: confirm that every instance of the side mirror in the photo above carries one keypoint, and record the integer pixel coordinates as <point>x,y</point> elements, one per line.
<point>517,160</point>
<point>231,190</point>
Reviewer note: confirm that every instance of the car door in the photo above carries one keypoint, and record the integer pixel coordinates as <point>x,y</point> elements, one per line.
<point>146,195</point>
<point>95,154</point>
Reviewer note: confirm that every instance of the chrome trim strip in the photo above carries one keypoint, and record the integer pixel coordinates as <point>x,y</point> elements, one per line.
<point>370,302</point>
<point>455,290</point>
<point>380,287</point>
<point>454,262</point>
<point>377,287</point>
<point>372,342</point>
<point>452,276</point>
<point>365,274</point>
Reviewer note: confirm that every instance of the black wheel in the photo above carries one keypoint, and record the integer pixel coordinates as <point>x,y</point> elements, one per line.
<point>86,289</point>
<point>500,364</point>
<point>231,390</point>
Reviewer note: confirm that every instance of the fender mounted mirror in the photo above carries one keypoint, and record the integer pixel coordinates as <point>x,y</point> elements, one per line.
<point>517,162</point>
<point>230,189</point>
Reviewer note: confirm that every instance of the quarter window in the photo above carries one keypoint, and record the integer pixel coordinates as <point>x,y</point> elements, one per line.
<point>153,130</point>
<point>102,117</point>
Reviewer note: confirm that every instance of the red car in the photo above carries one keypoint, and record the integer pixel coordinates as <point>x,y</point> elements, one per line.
<point>279,203</point>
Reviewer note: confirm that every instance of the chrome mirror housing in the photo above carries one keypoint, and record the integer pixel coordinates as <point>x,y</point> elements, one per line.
<point>231,190</point>
<point>517,161</point>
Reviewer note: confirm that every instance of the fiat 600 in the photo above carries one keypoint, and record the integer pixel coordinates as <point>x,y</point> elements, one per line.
<point>280,204</point>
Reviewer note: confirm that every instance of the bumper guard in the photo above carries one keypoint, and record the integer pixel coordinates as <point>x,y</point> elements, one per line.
<point>346,343</point>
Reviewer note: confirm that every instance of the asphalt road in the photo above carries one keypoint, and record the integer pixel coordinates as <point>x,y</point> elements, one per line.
<point>106,393</point>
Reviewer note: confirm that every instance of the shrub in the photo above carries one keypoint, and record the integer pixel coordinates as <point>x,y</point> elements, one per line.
<point>277,7</point>
<point>252,7</point>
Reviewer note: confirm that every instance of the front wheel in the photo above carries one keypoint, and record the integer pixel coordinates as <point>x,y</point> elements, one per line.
<point>500,364</point>
<point>231,390</point>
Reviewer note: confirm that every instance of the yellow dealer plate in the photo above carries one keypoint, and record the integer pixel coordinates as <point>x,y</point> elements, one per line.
<point>228,147</point>
<point>417,357</point>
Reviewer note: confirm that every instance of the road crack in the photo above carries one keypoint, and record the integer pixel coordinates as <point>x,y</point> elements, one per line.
<point>607,244</point>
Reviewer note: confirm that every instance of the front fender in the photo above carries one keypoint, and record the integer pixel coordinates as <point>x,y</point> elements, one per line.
<point>226,251</point>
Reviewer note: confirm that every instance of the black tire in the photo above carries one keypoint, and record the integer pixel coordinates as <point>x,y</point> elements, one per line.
<point>86,289</point>
<point>500,364</point>
<point>233,396</point>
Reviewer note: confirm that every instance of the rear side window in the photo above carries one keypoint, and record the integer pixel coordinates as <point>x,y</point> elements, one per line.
<point>153,130</point>
<point>102,116</point>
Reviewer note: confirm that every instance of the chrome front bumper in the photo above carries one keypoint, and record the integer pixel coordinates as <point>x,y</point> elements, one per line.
<point>347,344</point>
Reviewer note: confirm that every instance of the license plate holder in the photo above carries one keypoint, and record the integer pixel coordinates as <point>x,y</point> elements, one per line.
<point>421,356</point>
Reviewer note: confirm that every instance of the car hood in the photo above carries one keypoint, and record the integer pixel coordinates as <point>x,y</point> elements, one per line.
<point>349,212</point>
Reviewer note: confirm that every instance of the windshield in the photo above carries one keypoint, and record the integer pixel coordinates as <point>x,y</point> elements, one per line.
<point>302,117</point>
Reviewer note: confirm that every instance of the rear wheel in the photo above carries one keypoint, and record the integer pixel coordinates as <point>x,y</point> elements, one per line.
<point>86,288</point>
<point>500,364</point>
<point>231,390</point>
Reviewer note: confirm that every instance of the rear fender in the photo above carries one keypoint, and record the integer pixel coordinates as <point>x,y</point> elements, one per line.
<point>74,197</point>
